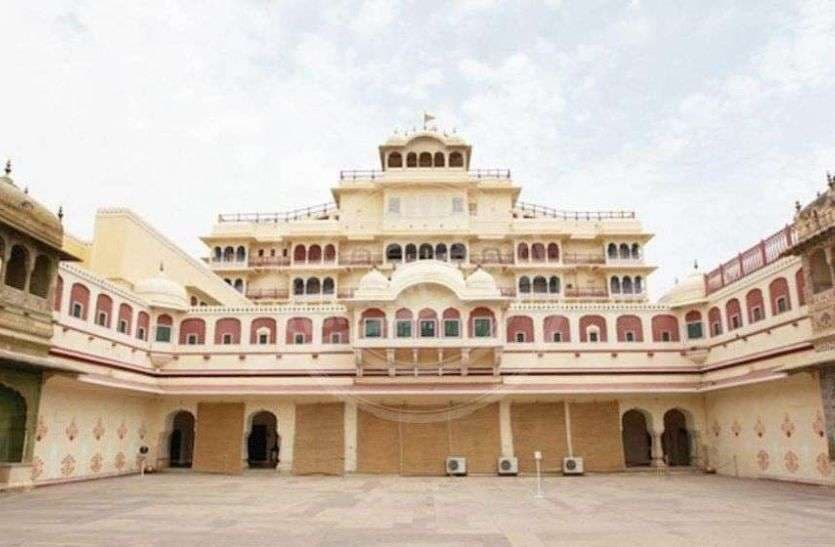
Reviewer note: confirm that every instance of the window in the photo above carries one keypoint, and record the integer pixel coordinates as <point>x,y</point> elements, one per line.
<point>101,319</point>
<point>140,333</point>
<point>629,336</point>
<point>694,330</point>
<point>735,324</point>
<point>593,336</point>
<point>122,326</point>
<point>191,340</point>
<point>298,338</point>
<point>403,328</point>
<point>519,337</point>
<point>394,206</point>
<point>427,328</point>
<point>782,304</point>
<point>163,333</point>
<point>263,338</point>
<point>77,310</point>
<point>665,336</point>
<point>556,337</point>
<point>483,327</point>
<point>336,338</point>
<point>473,208</point>
<point>452,328</point>
<point>373,328</point>
<point>457,205</point>
<point>757,313</point>
<point>227,339</point>
<point>717,328</point>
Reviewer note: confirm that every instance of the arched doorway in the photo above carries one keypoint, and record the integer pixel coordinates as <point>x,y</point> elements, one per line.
<point>12,425</point>
<point>263,441</point>
<point>676,438</point>
<point>637,442</point>
<point>181,444</point>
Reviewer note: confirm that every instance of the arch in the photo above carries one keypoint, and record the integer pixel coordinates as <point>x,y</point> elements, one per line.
<point>239,285</point>
<point>587,325</point>
<point>143,321</point>
<point>411,160</point>
<point>456,159</point>
<point>262,331</point>
<point>299,253</point>
<point>623,250</point>
<point>778,294</point>
<point>693,322</point>
<point>639,284</point>
<point>626,285</point>
<point>104,310</point>
<point>714,319</point>
<point>553,252</point>
<point>481,323</point>
<point>427,323</point>
<point>676,438</point>
<point>12,425</point>
<point>629,328</point>
<point>524,284</point>
<point>665,328</point>
<point>228,331</point>
<point>800,282</point>
<point>637,441</point>
<point>299,331</point>
<point>181,440</point>
<point>819,272</point>
<point>328,286</point>
<point>540,285</point>
<point>164,324</point>
<point>635,251</point>
<point>263,441</point>
<point>228,254</point>
<point>733,313</point>
<point>755,306</point>
<point>298,286</point>
<point>17,267</point>
<point>522,251</point>
<point>425,159</point>
<point>538,252</point>
<point>440,160</point>
<point>441,252</point>
<point>125,318</point>
<point>79,301</point>
<point>314,253</point>
<point>612,251</point>
<point>457,251</point>
<point>426,252</point>
<point>218,254</point>
<point>451,318</point>
<point>330,253</point>
<point>394,253</point>
<point>614,285</point>
<point>192,331</point>
<point>411,252</point>
<point>336,330</point>
<point>554,284</point>
<point>520,329</point>
<point>59,294</point>
<point>313,286</point>
<point>556,328</point>
<point>240,254</point>
<point>395,160</point>
<point>41,276</point>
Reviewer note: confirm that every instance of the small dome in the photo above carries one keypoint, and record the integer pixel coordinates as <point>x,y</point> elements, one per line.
<point>480,279</point>
<point>161,292</point>
<point>23,213</point>
<point>690,290</point>
<point>374,280</point>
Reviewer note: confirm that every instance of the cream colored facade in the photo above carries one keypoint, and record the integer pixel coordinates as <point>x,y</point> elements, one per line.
<point>425,313</point>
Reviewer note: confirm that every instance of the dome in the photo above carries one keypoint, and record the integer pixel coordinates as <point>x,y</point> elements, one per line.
<point>162,292</point>
<point>23,213</point>
<point>480,279</point>
<point>374,281</point>
<point>688,291</point>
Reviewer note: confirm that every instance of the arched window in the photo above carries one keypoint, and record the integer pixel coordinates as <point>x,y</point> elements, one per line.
<point>524,284</point>
<point>754,304</point>
<point>554,285</point>
<point>456,160</point>
<point>425,159</point>
<point>328,286</point>
<point>452,323</point>
<point>240,255</point>
<point>228,254</point>
<point>538,252</point>
<point>593,328</point>
<point>425,252</point>
<point>299,253</point>
<point>373,323</point>
<point>639,285</point>
<point>714,318</point>
<point>520,329</point>
<point>330,253</point>
<point>624,250</point>
<point>163,331</point>
<point>818,270</point>
<point>440,161</point>
<point>59,294</point>
<point>12,426</point>
<point>395,160</point>
<point>104,310</point>
<point>239,285</point>
<point>778,294</point>
<point>427,323</point>
<point>403,325</point>
<point>298,286</point>
<point>733,312</point>
<point>125,318</point>
<point>629,328</point>
<point>192,332</point>
<point>394,253</point>
<point>313,286</point>
<point>16,269</point>
<point>458,252</point>
<point>540,285</point>
<point>800,281</point>
<point>481,323</point>
<point>218,254</point>
<point>143,322</point>
<point>636,251</point>
<point>79,301</point>
<point>41,276</point>
<point>411,252</point>
<point>411,159</point>
<point>693,320</point>
<point>228,331</point>
<point>665,328</point>
<point>614,285</point>
<point>626,285</point>
<point>612,250</point>
<point>314,253</point>
<point>335,330</point>
<point>299,331</point>
<point>262,331</point>
<point>440,251</point>
<point>522,252</point>
<point>556,329</point>
<point>553,252</point>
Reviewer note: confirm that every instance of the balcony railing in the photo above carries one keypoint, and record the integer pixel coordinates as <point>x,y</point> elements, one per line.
<point>488,258</point>
<point>530,210</point>
<point>360,259</point>
<point>322,211</point>
<point>489,173</point>
<point>360,174</point>
<point>749,261</point>
<point>587,292</point>
<point>268,261</point>
<point>267,294</point>
<point>584,258</point>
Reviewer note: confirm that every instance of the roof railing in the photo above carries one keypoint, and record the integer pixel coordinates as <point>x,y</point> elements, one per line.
<point>531,210</point>
<point>749,261</point>
<point>322,211</point>
<point>489,173</point>
<point>360,174</point>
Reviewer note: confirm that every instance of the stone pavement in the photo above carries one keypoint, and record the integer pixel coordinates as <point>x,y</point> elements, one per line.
<point>264,508</point>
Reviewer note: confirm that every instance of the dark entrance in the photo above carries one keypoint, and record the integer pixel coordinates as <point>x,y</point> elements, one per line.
<point>637,442</point>
<point>12,425</point>
<point>676,438</point>
<point>263,441</point>
<point>181,444</point>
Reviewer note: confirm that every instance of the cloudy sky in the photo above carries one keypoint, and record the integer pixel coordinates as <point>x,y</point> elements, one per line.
<point>708,120</point>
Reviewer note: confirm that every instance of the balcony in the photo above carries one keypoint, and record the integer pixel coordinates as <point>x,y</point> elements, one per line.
<point>492,259</point>
<point>269,261</point>
<point>360,259</point>
<point>584,258</point>
<point>586,292</point>
<point>267,294</point>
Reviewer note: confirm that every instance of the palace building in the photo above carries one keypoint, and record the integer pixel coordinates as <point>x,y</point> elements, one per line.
<point>427,313</point>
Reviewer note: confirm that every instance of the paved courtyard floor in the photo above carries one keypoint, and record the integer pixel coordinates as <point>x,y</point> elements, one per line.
<point>261,508</point>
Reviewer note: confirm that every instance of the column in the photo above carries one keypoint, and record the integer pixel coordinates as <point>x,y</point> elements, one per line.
<point>657,449</point>
<point>287,430</point>
<point>505,429</point>
<point>350,436</point>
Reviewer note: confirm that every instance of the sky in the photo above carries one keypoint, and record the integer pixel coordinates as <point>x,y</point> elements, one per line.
<point>709,119</point>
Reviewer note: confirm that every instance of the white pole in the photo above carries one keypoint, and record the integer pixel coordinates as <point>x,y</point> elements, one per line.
<point>538,457</point>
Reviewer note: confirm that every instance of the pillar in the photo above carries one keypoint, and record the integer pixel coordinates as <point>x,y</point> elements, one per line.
<point>505,429</point>
<point>350,436</point>
<point>287,430</point>
<point>657,449</point>
<point>827,388</point>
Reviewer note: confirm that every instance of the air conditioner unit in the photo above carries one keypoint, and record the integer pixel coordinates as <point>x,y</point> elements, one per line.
<point>572,466</point>
<point>508,466</point>
<point>456,466</point>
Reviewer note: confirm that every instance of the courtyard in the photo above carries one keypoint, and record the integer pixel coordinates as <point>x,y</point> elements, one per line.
<point>259,508</point>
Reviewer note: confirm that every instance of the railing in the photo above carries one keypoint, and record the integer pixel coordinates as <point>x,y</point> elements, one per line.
<point>360,174</point>
<point>573,292</point>
<point>317,212</point>
<point>266,261</point>
<point>530,210</point>
<point>232,262</point>
<point>489,173</point>
<point>508,291</point>
<point>360,259</point>
<point>583,258</point>
<point>346,293</point>
<point>487,258</point>
<point>267,294</point>
<point>749,261</point>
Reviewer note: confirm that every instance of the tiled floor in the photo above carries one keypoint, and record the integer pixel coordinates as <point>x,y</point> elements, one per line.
<point>261,508</point>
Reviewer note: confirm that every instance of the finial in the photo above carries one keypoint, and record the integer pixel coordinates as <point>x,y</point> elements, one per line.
<point>830,180</point>
<point>8,169</point>
<point>696,264</point>
<point>26,190</point>
<point>61,212</point>
<point>797,206</point>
